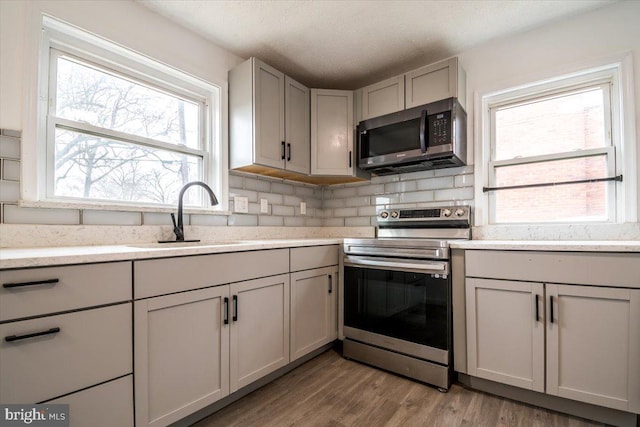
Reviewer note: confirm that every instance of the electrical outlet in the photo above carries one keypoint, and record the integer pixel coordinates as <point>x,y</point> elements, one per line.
<point>264,206</point>
<point>241,204</point>
<point>303,208</point>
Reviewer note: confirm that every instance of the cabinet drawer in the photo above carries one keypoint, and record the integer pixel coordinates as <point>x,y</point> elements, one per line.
<point>106,405</point>
<point>24,294</point>
<point>92,346</point>
<point>165,276</point>
<point>313,257</point>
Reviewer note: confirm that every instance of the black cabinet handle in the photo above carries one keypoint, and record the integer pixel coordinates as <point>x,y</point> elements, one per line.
<point>34,283</point>
<point>283,150</point>
<point>226,310</point>
<point>12,338</point>
<point>537,308</point>
<point>235,308</point>
<point>349,158</point>
<point>330,283</point>
<point>550,308</point>
<point>289,151</point>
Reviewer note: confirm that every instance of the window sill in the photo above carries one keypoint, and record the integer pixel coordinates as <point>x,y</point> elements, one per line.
<point>48,204</point>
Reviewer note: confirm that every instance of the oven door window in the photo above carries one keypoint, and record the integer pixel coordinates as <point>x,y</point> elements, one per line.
<point>404,305</point>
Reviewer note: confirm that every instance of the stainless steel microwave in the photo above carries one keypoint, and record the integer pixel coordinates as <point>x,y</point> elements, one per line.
<point>431,136</point>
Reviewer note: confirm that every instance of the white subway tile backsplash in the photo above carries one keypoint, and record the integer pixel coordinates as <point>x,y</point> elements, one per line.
<point>292,200</point>
<point>370,189</point>
<point>156,218</point>
<point>276,199</point>
<point>435,183</point>
<point>279,188</point>
<point>416,196</point>
<point>341,193</point>
<point>313,222</point>
<point>294,221</point>
<point>417,175</point>
<point>9,147</point>
<point>367,211</point>
<point>17,215</point>
<point>282,210</point>
<point>9,191</point>
<point>400,187</point>
<point>251,195</point>
<point>453,171</point>
<point>333,222</point>
<point>236,181</point>
<point>11,170</point>
<point>203,219</point>
<point>341,212</point>
<point>463,193</point>
<point>357,221</point>
<point>358,201</point>
<point>272,221</point>
<point>385,179</point>
<point>334,203</point>
<point>463,181</point>
<point>304,191</point>
<point>257,184</point>
<point>96,217</point>
<point>9,132</point>
<point>242,220</point>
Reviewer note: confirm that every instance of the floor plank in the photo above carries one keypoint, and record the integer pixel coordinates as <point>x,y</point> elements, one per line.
<point>332,391</point>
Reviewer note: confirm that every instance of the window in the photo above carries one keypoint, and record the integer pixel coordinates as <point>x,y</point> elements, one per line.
<point>552,151</point>
<point>121,128</point>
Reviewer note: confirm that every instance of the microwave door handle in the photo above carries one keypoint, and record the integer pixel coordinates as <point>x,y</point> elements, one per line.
<point>424,143</point>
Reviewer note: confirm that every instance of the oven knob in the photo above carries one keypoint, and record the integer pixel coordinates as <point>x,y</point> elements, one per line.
<point>384,214</point>
<point>394,214</point>
<point>459,212</point>
<point>446,212</point>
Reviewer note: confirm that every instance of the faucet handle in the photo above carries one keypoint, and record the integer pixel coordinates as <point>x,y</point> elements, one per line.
<point>179,233</point>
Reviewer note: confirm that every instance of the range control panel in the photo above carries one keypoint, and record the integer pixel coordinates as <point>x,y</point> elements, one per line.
<point>424,215</point>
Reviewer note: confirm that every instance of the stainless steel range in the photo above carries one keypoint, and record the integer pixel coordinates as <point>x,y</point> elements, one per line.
<point>397,293</point>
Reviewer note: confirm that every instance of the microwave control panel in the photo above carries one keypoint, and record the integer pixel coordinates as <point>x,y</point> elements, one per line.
<point>440,128</point>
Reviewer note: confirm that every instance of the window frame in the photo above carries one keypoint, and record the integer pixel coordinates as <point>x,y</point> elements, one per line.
<point>60,39</point>
<point>617,76</point>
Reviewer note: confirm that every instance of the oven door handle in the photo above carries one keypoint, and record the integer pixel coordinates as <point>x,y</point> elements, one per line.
<point>379,263</point>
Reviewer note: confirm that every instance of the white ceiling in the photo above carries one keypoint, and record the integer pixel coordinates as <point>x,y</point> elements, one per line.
<point>351,43</point>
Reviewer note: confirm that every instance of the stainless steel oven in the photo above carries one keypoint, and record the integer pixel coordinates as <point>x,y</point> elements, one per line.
<point>397,293</point>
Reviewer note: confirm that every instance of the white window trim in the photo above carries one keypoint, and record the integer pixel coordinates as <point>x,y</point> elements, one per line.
<point>619,69</point>
<point>62,36</point>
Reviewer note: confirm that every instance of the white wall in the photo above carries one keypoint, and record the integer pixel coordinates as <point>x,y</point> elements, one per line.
<point>559,48</point>
<point>124,22</point>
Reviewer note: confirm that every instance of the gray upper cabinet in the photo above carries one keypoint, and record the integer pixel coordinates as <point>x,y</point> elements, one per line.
<point>444,79</point>
<point>383,97</point>
<point>268,119</point>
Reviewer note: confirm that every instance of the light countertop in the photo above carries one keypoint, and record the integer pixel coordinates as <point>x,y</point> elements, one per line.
<point>550,245</point>
<point>63,255</point>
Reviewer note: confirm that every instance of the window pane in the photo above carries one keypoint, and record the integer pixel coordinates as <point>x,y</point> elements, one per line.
<point>574,202</point>
<point>89,95</point>
<point>91,167</point>
<point>566,123</point>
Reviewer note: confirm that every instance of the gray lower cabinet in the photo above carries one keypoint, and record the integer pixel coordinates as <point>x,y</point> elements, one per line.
<point>314,303</point>
<point>66,338</point>
<point>578,341</point>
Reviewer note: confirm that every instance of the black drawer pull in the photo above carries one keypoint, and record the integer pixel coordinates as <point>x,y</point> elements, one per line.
<point>226,310</point>
<point>11,338</point>
<point>34,283</point>
<point>537,309</point>
<point>330,283</point>
<point>551,308</point>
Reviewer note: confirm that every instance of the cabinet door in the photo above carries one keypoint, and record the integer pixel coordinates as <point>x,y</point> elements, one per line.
<point>383,97</point>
<point>259,328</point>
<point>505,335</point>
<point>332,132</point>
<point>313,309</point>
<point>297,127</point>
<point>268,105</point>
<point>593,345</point>
<point>433,83</point>
<point>181,354</point>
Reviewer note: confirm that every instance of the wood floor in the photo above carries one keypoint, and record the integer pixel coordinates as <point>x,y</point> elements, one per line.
<point>332,391</point>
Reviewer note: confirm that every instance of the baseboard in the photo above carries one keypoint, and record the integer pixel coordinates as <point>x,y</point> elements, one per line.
<point>572,407</point>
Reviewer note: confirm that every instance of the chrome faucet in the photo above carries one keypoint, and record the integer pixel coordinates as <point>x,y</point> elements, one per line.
<point>178,228</point>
